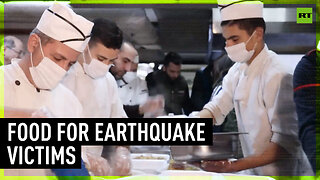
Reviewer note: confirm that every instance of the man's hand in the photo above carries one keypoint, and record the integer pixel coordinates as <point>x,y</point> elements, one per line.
<point>121,162</point>
<point>223,166</point>
<point>97,165</point>
<point>272,153</point>
<point>24,113</point>
<point>154,106</point>
<point>42,113</point>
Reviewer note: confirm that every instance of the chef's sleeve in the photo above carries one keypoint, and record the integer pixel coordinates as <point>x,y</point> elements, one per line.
<point>117,110</point>
<point>222,103</point>
<point>278,99</point>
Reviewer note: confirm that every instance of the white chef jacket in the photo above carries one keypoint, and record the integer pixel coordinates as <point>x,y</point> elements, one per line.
<point>133,93</point>
<point>262,95</point>
<point>20,93</point>
<point>99,97</point>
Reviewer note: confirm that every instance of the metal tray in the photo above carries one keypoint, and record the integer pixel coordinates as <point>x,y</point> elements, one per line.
<point>225,146</point>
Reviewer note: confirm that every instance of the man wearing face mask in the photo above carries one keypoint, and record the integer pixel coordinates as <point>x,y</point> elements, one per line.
<point>32,85</point>
<point>149,106</point>
<point>90,80</point>
<point>132,89</point>
<point>260,90</point>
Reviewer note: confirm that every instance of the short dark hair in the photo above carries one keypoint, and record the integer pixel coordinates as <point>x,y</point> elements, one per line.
<point>248,25</point>
<point>172,57</point>
<point>107,33</point>
<point>43,37</point>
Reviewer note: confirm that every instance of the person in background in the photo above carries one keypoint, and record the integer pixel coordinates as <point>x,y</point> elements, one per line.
<point>202,86</point>
<point>13,49</point>
<point>33,84</point>
<point>305,85</point>
<point>220,69</point>
<point>152,107</point>
<point>169,83</point>
<point>260,90</point>
<point>89,79</point>
<point>1,53</point>
<point>207,83</point>
<point>132,89</point>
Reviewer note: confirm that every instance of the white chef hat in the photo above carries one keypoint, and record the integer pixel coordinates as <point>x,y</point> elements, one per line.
<point>239,9</point>
<point>62,24</point>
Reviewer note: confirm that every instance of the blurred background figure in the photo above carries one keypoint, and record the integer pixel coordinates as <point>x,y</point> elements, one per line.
<point>132,89</point>
<point>123,63</point>
<point>1,52</point>
<point>305,86</point>
<point>202,86</point>
<point>152,106</point>
<point>169,83</point>
<point>13,48</point>
<point>221,67</point>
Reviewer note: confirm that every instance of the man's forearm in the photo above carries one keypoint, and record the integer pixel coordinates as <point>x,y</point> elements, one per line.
<point>16,113</point>
<point>272,153</point>
<point>205,113</point>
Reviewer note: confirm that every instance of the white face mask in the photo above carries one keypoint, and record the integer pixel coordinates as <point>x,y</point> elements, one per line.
<point>129,76</point>
<point>95,69</point>
<point>239,53</point>
<point>47,74</point>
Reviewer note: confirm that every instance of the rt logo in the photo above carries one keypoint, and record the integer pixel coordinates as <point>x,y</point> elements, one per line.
<point>304,15</point>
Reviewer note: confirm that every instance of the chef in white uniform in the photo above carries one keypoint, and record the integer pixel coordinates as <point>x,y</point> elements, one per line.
<point>150,107</point>
<point>261,92</point>
<point>33,84</point>
<point>89,79</point>
<point>132,89</point>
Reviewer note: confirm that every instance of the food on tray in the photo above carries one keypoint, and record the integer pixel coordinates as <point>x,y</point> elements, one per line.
<point>182,166</point>
<point>149,157</point>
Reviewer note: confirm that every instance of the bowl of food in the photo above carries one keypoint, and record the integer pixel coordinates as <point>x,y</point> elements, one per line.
<point>176,165</point>
<point>150,163</point>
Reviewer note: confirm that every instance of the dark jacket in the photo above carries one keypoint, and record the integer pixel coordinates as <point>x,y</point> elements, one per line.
<point>175,92</point>
<point>202,88</point>
<point>305,87</point>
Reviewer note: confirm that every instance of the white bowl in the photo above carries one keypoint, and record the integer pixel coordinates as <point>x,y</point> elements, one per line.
<point>150,165</point>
